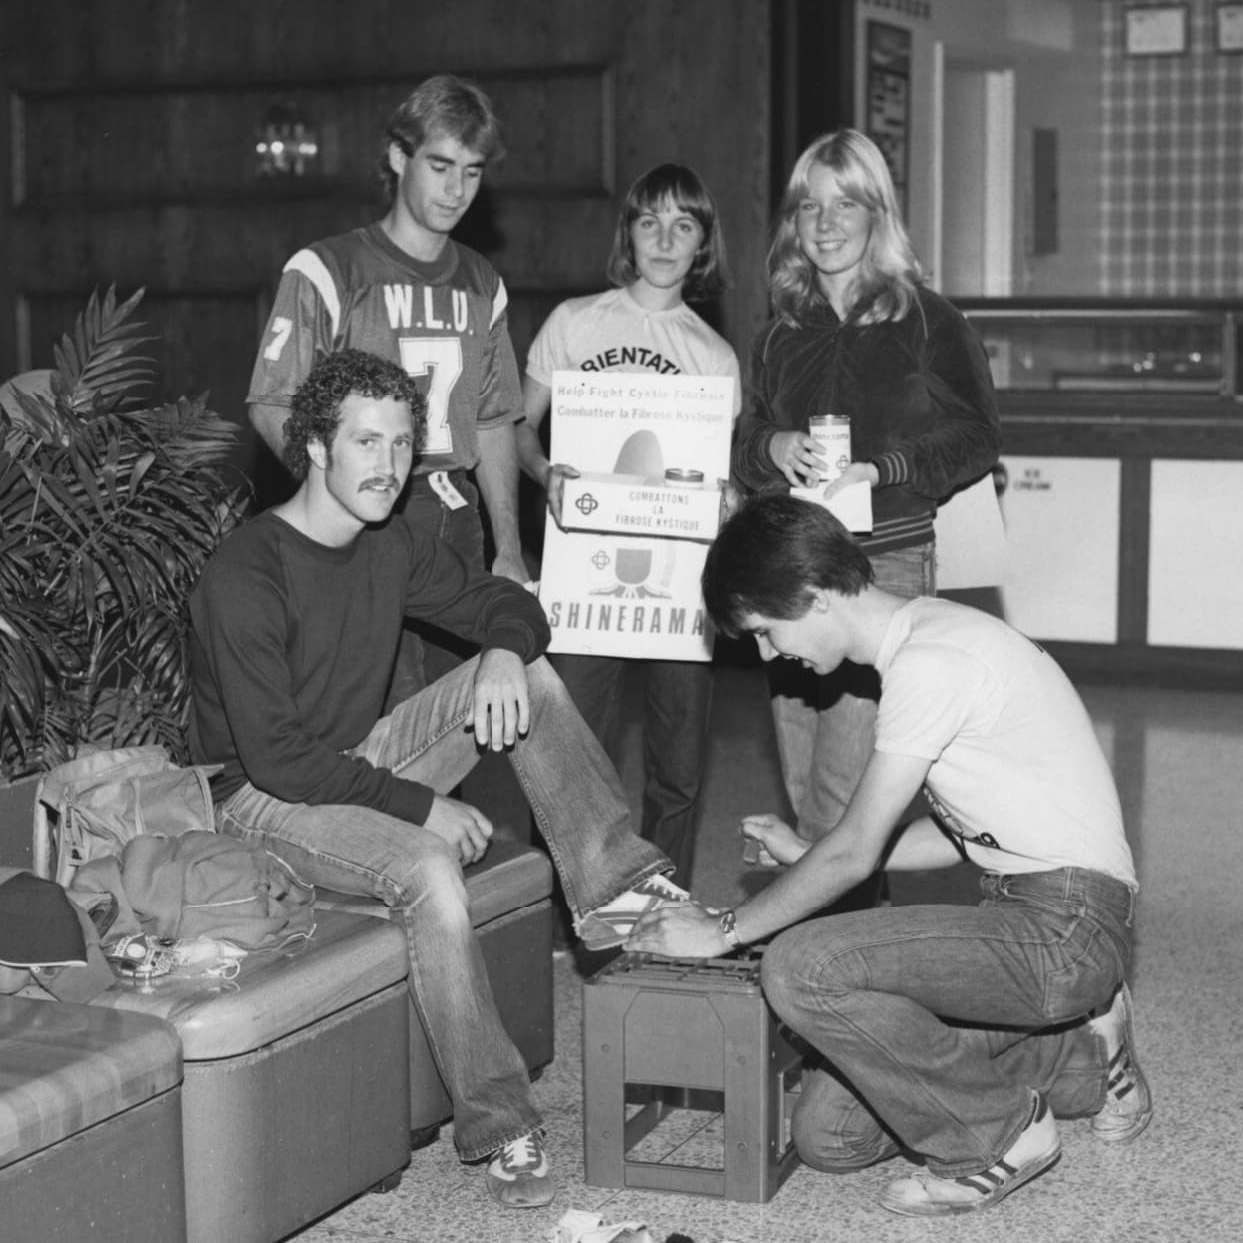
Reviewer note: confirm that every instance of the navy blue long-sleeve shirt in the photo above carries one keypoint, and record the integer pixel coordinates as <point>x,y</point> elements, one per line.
<point>293,643</point>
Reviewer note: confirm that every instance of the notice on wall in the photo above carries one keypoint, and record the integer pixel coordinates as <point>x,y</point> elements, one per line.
<point>1063,526</point>
<point>889,99</point>
<point>970,538</point>
<point>609,594</point>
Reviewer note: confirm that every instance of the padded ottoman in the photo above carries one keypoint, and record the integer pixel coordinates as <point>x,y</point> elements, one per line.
<point>295,1090</point>
<point>90,1125</point>
<point>510,906</point>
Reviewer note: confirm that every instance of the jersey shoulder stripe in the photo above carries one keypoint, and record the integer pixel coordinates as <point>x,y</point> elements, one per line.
<point>308,264</point>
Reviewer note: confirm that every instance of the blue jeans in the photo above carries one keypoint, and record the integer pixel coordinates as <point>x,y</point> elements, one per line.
<point>677,698</point>
<point>826,726</point>
<point>937,1022</point>
<point>581,810</point>
<point>426,653</point>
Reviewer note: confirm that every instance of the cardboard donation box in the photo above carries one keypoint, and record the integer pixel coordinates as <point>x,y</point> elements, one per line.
<point>643,505</point>
<point>624,580</point>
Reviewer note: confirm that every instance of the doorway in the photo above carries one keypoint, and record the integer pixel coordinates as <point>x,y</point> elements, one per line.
<point>973,176</point>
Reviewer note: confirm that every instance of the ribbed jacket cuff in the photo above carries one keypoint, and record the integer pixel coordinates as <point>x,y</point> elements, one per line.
<point>892,468</point>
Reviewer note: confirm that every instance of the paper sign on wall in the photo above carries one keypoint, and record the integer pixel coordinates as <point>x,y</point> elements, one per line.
<point>608,594</point>
<point>970,538</point>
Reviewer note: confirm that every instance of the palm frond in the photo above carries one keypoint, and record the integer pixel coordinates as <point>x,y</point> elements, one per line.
<point>189,432</point>
<point>97,362</point>
<point>37,418</point>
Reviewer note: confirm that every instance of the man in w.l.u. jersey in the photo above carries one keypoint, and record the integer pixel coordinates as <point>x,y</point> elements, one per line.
<point>403,289</point>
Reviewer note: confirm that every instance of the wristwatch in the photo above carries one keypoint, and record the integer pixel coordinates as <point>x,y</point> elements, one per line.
<point>728,920</point>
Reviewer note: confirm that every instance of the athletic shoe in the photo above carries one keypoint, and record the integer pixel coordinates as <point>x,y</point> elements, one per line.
<point>612,923</point>
<point>925,1195</point>
<point>1128,1102</point>
<point>518,1175</point>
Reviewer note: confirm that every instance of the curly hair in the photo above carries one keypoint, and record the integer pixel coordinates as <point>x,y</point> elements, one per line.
<point>889,273</point>
<point>682,187</point>
<point>315,412</point>
<point>442,105</point>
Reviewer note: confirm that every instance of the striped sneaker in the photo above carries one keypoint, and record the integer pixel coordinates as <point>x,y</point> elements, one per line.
<point>518,1175</point>
<point>1128,1101</point>
<point>925,1195</point>
<point>612,923</point>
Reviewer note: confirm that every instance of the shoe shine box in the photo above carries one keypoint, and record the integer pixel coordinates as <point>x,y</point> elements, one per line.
<point>676,505</point>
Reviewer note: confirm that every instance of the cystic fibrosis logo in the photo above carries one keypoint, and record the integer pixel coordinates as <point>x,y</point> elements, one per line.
<point>645,569</point>
<point>586,504</point>
<point>639,572</point>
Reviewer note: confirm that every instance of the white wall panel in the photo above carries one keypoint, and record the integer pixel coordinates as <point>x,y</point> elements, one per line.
<point>1195,590</point>
<point>1062,527</point>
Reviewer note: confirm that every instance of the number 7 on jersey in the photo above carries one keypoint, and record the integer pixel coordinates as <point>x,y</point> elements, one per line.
<point>440,358</point>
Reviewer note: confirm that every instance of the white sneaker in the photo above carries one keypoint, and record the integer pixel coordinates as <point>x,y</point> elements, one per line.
<point>1128,1100</point>
<point>518,1175</point>
<point>612,923</point>
<point>926,1195</point>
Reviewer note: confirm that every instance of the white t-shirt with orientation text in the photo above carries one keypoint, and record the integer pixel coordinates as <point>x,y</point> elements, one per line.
<point>610,331</point>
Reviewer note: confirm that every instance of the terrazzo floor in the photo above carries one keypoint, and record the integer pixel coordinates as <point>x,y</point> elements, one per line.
<point>1178,757</point>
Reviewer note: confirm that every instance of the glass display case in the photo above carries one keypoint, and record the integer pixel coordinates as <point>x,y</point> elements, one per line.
<point>1085,346</point>
<point>1122,454</point>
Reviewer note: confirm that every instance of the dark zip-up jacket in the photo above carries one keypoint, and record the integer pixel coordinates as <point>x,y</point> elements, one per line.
<point>919,395</point>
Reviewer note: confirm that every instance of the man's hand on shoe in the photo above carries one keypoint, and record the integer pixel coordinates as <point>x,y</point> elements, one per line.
<point>461,825</point>
<point>502,709</point>
<point>680,930</point>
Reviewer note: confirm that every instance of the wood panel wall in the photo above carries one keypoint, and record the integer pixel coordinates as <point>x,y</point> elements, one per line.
<point>128,150</point>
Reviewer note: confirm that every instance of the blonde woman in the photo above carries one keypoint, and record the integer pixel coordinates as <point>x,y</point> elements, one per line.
<point>856,332</point>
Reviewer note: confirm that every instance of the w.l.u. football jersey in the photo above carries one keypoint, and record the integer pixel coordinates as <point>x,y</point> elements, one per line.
<point>444,322</point>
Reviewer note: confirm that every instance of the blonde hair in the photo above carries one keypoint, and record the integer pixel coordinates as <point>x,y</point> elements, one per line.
<point>889,274</point>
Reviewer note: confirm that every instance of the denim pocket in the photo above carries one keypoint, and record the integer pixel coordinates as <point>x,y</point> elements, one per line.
<point>1085,968</point>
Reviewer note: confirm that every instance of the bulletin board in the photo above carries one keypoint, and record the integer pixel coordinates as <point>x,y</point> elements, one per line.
<point>889,100</point>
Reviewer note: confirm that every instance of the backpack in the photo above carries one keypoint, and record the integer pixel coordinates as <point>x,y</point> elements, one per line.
<point>132,824</point>
<point>93,805</point>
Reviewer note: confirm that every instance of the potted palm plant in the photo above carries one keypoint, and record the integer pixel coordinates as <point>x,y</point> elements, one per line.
<point>109,507</point>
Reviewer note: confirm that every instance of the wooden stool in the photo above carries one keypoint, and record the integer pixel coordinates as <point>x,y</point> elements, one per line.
<point>656,1030</point>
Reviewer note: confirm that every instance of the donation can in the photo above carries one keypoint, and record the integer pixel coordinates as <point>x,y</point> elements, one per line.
<point>681,477</point>
<point>832,435</point>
